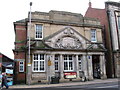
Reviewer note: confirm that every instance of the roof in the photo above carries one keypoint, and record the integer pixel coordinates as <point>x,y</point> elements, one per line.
<point>113,3</point>
<point>21,21</point>
<point>8,64</point>
<point>61,18</point>
<point>99,14</point>
<point>5,58</point>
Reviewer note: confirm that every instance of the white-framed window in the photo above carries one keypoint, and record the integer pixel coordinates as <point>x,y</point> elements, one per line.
<point>119,22</point>
<point>80,62</point>
<point>56,62</point>
<point>68,62</point>
<point>93,35</point>
<point>21,66</point>
<point>39,31</point>
<point>38,63</point>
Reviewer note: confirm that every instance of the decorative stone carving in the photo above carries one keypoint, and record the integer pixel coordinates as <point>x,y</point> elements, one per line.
<point>68,43</point>
<point>68,31</point>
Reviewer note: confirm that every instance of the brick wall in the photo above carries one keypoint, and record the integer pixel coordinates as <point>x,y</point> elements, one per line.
<point>19,53</point>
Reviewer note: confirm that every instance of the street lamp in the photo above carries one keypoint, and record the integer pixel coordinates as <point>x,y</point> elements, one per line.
<point>29,61</point>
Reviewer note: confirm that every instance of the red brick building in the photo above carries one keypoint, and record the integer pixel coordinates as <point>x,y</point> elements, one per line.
<point>19,54</point>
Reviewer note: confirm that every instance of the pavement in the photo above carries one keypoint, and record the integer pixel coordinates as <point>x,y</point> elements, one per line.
<point>96,81</point>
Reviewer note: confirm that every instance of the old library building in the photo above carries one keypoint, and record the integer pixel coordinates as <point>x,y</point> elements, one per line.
<point>62,44</point>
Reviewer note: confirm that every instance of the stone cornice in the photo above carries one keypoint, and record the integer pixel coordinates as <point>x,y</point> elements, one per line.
<point>78,24</point>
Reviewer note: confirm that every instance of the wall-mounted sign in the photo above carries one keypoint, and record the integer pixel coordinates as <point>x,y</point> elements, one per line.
<point>70,75</point>
<point>49,63</point>
<point>29,64</point>
<point>9,71</point>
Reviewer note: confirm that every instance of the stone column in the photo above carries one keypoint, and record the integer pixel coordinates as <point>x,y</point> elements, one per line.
<point>47,67</point>
<point>90,69</point>
<point>103,67</point>
<point>52,67</point>
<point>84,66</point>
<point>77,67</point>
<point>61,68</point>
<point>47,57</point>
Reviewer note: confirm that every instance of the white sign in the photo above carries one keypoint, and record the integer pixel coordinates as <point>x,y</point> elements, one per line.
<point>9,71</point>
<point>29,64</point>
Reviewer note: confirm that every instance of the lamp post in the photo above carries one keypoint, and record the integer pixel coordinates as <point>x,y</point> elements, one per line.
<point>29,61</point>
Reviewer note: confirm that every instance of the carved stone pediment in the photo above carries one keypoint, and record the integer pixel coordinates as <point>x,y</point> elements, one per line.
<point>96,47</point>
<point>67,38</point>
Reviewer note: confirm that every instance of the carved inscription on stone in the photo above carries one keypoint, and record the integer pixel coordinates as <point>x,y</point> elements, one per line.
<point>39,76</point>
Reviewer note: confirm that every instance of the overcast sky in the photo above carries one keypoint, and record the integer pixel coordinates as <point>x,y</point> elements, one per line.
<point>13,10</point>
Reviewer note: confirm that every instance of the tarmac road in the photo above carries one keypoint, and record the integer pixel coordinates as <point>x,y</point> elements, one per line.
<point>98,86</point>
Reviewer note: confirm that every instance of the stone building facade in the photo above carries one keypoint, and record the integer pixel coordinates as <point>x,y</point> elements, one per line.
<point>63,44</point>
<point>113,12</point>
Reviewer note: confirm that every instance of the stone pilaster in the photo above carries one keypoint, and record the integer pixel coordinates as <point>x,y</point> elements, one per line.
<point>52,67</point>
<point>103,67</point>
<point>61,68</point>
<point>77,67</point>
<point>84,66</point>
<point>90,69</point>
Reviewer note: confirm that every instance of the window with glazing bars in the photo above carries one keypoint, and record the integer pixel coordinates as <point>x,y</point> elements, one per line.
<point>68,62</point>
<point>39,31</point>
<point>38,63</point>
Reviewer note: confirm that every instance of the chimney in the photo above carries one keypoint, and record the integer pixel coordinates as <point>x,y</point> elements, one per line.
<point>90,4</point>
